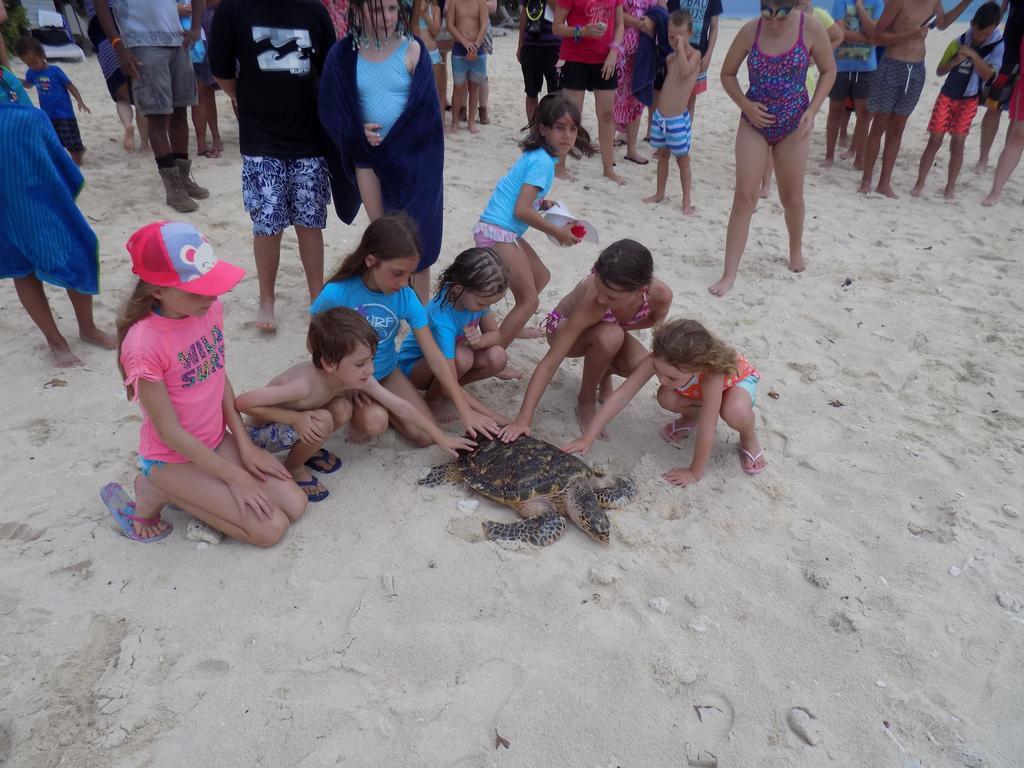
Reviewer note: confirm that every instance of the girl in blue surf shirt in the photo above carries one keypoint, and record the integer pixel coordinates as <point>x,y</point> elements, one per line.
<point>374,281</point>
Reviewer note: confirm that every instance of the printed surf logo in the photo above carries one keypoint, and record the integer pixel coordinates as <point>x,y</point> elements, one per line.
<point>283,50</point>
<point>381,319</point>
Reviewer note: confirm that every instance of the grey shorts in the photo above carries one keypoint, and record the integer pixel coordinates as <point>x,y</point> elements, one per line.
<point>852,85</point>
<point>897,87</point>
<point>166,82</point>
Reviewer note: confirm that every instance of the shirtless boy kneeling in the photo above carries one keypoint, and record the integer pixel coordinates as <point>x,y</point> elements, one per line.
<point>318,397</point>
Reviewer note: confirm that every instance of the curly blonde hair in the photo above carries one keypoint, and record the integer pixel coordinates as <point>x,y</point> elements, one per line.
<point>688,345</point>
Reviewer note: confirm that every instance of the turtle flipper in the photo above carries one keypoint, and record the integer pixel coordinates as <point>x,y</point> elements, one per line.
<point>443,474</point>
<point>583,508</point>
<point>539,531</point>
<point>619,492</point>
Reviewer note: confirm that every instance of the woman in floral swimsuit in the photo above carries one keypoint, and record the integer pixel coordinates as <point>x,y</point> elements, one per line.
<point>777,118</point>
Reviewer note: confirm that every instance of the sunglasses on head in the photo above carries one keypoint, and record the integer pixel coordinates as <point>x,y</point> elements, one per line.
<point>767,12</point>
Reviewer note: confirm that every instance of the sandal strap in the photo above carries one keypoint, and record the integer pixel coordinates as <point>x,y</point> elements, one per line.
<point>143,520</point>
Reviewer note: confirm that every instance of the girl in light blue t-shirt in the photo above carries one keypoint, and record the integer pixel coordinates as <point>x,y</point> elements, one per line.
<point>374,281</point>
<point>516,203</point>
<point>461,323</point>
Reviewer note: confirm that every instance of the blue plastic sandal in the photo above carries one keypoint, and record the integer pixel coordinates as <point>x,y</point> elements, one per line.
<point>122,508</point>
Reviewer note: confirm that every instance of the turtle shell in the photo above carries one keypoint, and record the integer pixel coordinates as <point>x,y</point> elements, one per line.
<point>516,472</point>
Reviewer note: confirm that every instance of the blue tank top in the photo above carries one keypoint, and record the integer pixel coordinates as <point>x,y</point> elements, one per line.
<point>384,88</point>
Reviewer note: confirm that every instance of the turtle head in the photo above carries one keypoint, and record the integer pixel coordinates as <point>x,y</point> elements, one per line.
<point>584,509</point>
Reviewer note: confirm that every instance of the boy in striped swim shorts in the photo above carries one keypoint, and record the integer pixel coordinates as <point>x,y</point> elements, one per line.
<point>970,60</point>
<point>671,124</point>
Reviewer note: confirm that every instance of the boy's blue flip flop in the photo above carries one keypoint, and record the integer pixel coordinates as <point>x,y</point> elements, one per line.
<point>324,462</point>
<point>122,508</point>
<point>313,490</point>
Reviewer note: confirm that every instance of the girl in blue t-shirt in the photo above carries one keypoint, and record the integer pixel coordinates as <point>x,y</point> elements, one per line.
<point>461,323</point>
<point>516,203</point>
<point>374,281</point>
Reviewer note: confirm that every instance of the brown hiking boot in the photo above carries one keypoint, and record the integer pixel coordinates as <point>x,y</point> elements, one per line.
<point>177,197</point>
<point>484,117</point>
<point>192,189</point>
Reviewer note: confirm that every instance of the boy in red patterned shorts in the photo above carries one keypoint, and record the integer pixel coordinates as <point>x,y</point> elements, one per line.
<point>969,61</point>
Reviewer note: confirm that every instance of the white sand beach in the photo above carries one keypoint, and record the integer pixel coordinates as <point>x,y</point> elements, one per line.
<point>859,604</point>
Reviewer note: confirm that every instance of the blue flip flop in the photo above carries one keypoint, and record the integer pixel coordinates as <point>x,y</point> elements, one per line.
<point>313,490</point>
<point>122,508</point>
<point>324,462</point>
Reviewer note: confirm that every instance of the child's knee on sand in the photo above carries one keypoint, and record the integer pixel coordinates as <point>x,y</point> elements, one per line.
<point>494,359</point>
<point>341,409</point>
<point>371,420</point>
<point>608,338</point>
<point>672,401</point>
<point>737,409</point>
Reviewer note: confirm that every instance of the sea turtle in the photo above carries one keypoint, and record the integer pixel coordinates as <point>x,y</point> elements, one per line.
<point>541,483</point>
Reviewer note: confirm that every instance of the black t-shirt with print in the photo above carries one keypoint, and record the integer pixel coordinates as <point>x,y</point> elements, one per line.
<point>278,49</point>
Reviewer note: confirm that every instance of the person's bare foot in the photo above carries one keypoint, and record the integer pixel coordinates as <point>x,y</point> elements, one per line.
<point>752,457</point>
<point>585,414</point>
<point>981,166</point>
<point>472,127</point>
<point>887,190</point>
<point>444,412</point>
<point>679,429</point>
<point>529,332</point>
<point>689,210</point>
<point>949,193</point>
<point>765,192</point>
<point>721,287</point>
<point>453,128</point>
<point>63,357</point>
<point>917,191</point>
<point>796,263</point>
<point>865,186</point>
<point>564,174</point>
<point>356,436</point>
<point>655,198</point>
<point>128,140</point>
<point>265,318</point>
<point>844,140</point>
<point>613,176</point>
<point>848,153</point>
<point>100,338</point>
<point>638,159</point>
<point>509,374</point>
<point>218,148</point>
<point>826,163</point>
<point>991,199</point>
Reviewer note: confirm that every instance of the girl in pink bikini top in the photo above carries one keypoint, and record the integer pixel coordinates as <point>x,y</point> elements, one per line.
<point>593,322</point>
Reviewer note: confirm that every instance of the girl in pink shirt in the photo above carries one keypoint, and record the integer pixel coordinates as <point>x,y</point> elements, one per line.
<point>193,448</point>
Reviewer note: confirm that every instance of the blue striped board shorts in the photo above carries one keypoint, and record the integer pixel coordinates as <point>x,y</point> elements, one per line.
<point>676,133</point>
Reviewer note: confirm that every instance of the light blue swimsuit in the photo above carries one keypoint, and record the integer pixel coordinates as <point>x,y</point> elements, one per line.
<point>384,88</point>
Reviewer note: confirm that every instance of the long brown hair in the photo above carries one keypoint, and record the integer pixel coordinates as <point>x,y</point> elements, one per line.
<point>480,270</point>
<point>688,345</point>
<point>392,236</point>
<point>138,306</point>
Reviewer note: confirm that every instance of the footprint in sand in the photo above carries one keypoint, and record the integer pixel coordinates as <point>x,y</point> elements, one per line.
<point>707,723</point>
<point>804,724</point>
<point>20,532</point>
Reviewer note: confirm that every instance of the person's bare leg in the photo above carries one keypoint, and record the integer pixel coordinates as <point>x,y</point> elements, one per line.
<point>177,131</point>
<point>989,129</point>
<point>485,91</point>
<point>879,125</point>
<point>398,383</point>
<point>421,285</point>
<point>524,291</point>
<point>931,149</point>
<point>216,144</point>
<point>752,153</point>
<point>686,180</point>
<point>790,170</point>
<point>311,254</point>
<point>369,191</point>
<point>860,134</point>
<point>87,330</point>
<point>474,105</point>
<point>199,124</point>
<point>531,107</point>
<point>599,345</point>
<point>458,98</point>
<point>1007,163</point>
<point>893,139</point>
<point>832,125</point>
<point>632,133</point>
<point>604,103</point>
<point>956,162</point>
<point>159,142</point>
<point>143,123</point>
<point>441,83</point>
<point>662,155</point>
<point>124,114</point>
<point>33,298</point>
<point>267,253</point>
<point>738,412</point>
<point>368,421</point>
<point>485,364</point>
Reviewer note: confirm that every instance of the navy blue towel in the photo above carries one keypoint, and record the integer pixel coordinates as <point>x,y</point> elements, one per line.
<point>651,53</point>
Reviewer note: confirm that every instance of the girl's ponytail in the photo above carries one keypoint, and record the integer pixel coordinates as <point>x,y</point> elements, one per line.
<point>138,306</point>
<point>480,270</point>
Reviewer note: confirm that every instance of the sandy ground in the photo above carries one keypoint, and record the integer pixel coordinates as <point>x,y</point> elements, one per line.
<point>871,576</point>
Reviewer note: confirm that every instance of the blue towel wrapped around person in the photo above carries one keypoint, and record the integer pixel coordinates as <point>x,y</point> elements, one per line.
<point>651,53</point>
<point>409,161</point>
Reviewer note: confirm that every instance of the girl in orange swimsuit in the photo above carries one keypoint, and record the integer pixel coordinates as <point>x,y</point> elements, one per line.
<point>594,322</point>
<point>701,379</point>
